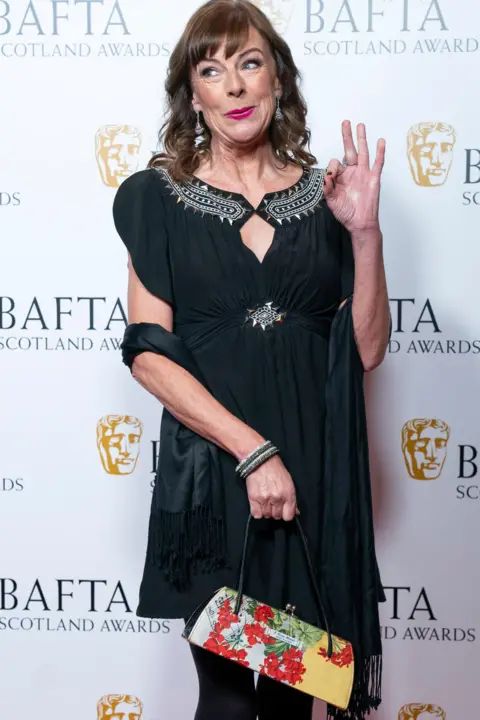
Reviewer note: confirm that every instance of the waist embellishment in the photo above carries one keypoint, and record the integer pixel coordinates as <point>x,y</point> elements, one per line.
<point>265,315</point>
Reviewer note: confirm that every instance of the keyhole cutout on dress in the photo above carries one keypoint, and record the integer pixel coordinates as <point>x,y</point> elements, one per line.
<point>257,235</point>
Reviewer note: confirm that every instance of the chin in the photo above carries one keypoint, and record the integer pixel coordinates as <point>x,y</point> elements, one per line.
<point>245,136</point>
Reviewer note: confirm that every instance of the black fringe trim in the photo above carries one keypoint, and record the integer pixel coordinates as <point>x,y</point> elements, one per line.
<point>184,542</point>
<point>366,694</point>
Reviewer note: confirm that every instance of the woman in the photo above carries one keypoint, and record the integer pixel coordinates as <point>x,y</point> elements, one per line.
<point>256,300</point>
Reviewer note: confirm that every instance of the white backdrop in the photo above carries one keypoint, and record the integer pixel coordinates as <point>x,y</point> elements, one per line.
<point>73,528</point>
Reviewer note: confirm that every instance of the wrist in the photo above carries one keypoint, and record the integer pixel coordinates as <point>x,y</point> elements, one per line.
<point>246,444</point>
<point>366,236</point>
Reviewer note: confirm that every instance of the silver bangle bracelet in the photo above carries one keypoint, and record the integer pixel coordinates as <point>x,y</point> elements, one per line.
<point>257,461</point>
<point>254,454</point>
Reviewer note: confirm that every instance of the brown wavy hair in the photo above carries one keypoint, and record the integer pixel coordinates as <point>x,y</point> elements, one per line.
<point>213,23</point>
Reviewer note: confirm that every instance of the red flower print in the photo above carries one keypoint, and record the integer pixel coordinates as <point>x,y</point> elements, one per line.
<point>225,617</point>
<point>240,657</point>
<point>294,668</point>
<point>271,667</point>
<point>216,643</point>
<point>287,667</point>
<point>344,658</point>
<point>256,634</point>
<point>263,613</point>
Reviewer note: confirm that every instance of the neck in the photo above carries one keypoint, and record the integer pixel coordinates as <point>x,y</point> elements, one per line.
<point>239,165</point>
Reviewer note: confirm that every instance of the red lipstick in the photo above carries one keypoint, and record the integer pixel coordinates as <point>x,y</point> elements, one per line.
<point>240,113</point>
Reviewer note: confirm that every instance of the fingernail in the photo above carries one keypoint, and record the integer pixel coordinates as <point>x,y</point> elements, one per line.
<point>329,172</point>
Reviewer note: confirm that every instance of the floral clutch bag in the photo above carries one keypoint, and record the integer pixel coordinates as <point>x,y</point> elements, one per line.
<point>275,643</point>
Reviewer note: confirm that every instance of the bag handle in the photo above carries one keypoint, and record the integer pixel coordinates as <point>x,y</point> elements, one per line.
<point>318,597</point>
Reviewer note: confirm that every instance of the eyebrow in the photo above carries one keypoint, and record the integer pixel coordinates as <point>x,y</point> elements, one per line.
<point>249,50</point>
<point>245,52</point>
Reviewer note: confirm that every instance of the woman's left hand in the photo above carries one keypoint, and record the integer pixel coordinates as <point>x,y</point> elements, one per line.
<point>352,190</point>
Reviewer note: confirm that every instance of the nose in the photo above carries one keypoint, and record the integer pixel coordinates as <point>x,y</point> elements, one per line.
<point>123,156</point>
<point>235,84</point>
<point>124,447</point>
<point>430,451</point>
<point>436,156</point>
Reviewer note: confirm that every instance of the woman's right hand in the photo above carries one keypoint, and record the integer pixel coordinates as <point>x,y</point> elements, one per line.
<point>271,491</point>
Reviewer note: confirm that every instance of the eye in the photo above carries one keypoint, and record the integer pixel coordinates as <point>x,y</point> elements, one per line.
<point>208,71</point>
<point>253,63</point>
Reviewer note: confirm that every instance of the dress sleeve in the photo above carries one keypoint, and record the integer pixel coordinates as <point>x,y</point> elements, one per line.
<point>139,217</point>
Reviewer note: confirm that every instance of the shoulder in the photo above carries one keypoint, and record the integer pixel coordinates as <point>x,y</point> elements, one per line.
<point>140,183</point>
<point>138,194</point>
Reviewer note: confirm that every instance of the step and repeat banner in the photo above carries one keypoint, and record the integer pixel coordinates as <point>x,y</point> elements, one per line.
<point>81,83</point>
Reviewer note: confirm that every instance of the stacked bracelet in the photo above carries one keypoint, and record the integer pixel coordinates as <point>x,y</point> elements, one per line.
<point>256,458</point>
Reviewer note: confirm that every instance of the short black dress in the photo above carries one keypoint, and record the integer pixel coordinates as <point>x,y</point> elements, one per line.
<point>259,332</point>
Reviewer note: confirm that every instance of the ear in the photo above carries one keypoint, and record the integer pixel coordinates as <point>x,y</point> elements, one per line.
<point>278,87</point>
<point>195,103</point>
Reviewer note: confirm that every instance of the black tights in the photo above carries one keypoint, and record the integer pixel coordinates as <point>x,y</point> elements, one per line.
<point>227,692</point>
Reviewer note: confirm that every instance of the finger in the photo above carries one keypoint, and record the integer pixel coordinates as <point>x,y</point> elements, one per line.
<point>351,157</point>
<point>334,169</point>
<point>266,510</point>
<point>379,159</point>
<point>255,509</point>
<point>363,156</point>
<point>289,510</point>
<point>277,511</point>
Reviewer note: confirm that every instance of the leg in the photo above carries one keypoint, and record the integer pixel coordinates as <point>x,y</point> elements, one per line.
<point>227,690</point>
<point>281,702</point>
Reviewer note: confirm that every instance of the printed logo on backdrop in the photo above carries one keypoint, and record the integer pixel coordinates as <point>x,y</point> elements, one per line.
<point>9,199</point>
<point>118,443</point>
<point>11,485</point>
<point>76,28</point>
<point>84,323</point>
<point>279,12</point>
<point>379,28</point>
<point>421,711</point>
<point>121,707</point>
<point>430,153</point>
<point>409,614</point>
<point>418,329</point>
<point>117,149</point>
<point>424,448</point>
<point>73,605</point>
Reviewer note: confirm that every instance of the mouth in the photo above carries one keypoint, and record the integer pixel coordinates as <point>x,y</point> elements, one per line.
<point>240,113</point>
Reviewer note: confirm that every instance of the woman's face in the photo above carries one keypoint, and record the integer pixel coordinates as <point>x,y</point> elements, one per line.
<point>237,96</point>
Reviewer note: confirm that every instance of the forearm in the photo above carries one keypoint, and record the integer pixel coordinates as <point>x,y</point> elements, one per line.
<point>188,400</point>
<point>371,313</point>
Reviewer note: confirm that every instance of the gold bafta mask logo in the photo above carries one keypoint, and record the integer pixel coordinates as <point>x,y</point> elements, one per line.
<point>278,12</point>
<point>430,152</point>
<point>118,443</point>
<point>119,707</point>
<point>424,446</point>
<point>117,149</point>
<point>421,711</point>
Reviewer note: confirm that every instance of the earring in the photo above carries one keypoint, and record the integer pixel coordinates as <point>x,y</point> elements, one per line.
<point>199,132</point>
<point>278,112</point>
